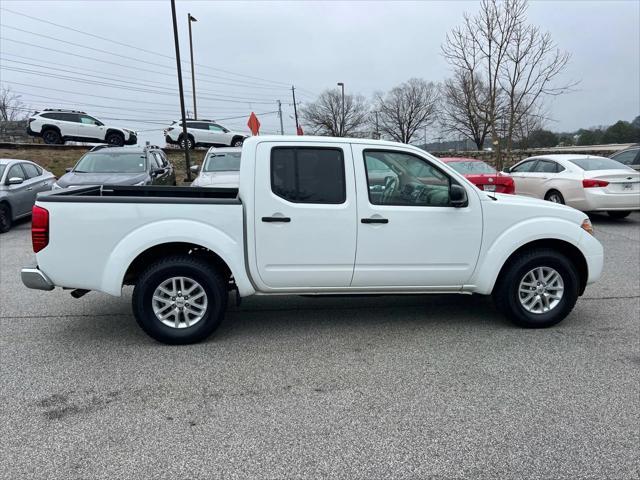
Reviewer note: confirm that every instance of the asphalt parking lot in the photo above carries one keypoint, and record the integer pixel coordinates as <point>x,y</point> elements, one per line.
<point>394,387</point>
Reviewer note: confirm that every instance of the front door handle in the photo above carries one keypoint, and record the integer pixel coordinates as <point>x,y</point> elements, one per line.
<point>375,220</point>
<point>276,219</point>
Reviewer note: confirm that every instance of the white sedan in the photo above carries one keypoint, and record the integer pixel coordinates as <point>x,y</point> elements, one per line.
<point>585,182</point>
<point>221,168</point>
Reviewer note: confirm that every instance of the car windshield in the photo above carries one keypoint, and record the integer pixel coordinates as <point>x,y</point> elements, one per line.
<point>598,163</point>
<point>111,162</point>
<point>222,162</point>
<point>471,167</point>
<point>2,167</point>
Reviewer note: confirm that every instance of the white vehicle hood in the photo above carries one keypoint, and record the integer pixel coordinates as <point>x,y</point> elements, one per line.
<point>218,179</point>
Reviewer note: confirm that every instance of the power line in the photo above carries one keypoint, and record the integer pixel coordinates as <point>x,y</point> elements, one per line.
<point>144,84</point>
<point>131,88</point>
<point>283,84</point>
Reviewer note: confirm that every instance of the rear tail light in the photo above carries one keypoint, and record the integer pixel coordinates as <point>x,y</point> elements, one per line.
<point>591,183</point>
<point>39,228</point>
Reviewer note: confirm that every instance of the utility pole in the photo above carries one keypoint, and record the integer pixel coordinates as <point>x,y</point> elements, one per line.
<point>193,75</point>
<point>280,116</point>
<point>182,109</point>
<point>295,109</point>
<point>343,122</point>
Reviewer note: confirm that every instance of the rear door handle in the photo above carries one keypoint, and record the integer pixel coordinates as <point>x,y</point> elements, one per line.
<point>375,220</point>
<point>29,188</point>
<point>276,219</point>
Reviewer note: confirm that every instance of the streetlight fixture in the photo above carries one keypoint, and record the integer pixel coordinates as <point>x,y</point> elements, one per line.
<point>342,124</point>
<point>193,76</point>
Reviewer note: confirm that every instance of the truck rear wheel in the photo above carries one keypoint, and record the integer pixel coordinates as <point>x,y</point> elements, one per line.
<point>537,289</point>
<point>179,300</point>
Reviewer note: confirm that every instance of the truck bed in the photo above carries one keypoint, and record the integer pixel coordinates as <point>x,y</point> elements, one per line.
<point>142,194</point>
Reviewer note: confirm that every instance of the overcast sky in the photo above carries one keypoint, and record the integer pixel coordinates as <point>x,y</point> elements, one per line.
<point>249,53</point>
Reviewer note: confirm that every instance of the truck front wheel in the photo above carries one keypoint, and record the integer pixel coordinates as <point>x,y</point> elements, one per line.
<point>179,300</point>
<point>537,289</point>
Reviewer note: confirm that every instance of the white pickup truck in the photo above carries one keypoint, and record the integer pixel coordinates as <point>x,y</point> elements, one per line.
<point>313,216</point>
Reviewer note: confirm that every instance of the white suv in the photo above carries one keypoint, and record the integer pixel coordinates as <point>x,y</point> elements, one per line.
<point>205,133</point>
<point>57,126</point>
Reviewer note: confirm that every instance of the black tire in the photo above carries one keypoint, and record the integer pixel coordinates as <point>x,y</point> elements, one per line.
<point>506,291</point>
<point>51,136</point>
<point>180,266</point>
<point>114,138</point>
<point>190,142</point>
<point>5,218</point>
<point>554,196</point>
<point>237,142</point>
<point>619,213</point>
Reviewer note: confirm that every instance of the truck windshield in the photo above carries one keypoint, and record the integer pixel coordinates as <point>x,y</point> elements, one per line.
<point>222,162</point>
<point>472,167</point>
<point>103,162</point>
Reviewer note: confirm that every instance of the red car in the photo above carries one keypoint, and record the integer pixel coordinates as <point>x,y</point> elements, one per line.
<point>482,175</point>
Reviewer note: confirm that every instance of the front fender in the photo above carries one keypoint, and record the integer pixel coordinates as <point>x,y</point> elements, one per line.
<point>511,239</point>
<point>170,231</point>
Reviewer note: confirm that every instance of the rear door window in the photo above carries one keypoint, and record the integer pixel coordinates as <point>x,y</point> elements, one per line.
<point>31,170</point>
<point>308,175</point>
<point>545,166</point>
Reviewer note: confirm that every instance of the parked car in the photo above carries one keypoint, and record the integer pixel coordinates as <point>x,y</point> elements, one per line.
<point>481,174</point>
<point>120,166</point>
<point>585,182</point>
<point>57,126</point>
<point>220,168</point>
<point>203,133</point>
<point>303,222</point>
<point>629,157</point>
<point>20,182</point>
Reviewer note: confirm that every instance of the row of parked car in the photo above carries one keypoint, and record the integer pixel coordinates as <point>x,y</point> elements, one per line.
<point>57,126</point>
<point>587,183</point>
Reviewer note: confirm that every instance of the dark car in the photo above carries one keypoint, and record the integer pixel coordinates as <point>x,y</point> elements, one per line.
<point>120,166</point>
<point>20,182</point>
<point>629,156</point>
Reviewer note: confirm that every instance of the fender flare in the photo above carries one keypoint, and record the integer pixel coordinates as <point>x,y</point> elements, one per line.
<point>48,126</point>
<point>171,231</point>
<point>515,237</point>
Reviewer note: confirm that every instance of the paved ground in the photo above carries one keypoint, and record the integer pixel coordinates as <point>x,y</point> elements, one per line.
<point>395,387</point>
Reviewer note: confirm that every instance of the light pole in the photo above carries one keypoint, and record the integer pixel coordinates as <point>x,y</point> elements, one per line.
<point>342,123</point>
<point>181,90</point>
<point>193,76</point>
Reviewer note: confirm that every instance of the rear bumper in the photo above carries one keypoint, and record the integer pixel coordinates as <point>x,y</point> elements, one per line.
<point>33,278</point>
<point>170,140</point>
<point>597,200</point>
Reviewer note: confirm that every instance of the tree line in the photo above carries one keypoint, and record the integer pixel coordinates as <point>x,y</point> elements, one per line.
<point>502,71</point>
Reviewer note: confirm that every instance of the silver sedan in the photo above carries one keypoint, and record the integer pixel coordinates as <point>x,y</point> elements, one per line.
<point>20,182</point>
<point>221,168</point>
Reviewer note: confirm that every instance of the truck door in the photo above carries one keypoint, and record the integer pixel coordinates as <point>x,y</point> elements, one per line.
<point>305,215</point>
<point>409,236</point>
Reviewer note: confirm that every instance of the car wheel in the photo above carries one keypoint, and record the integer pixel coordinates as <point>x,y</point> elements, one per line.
<point>619,213</point>
<point>237,142</point>
<point>537,289</point>
<point>5,218</point>
<point>51,137</point>
<point>116,139</point>
<point>180,300</point>
<point>554,196</point>
<point>190,144</point>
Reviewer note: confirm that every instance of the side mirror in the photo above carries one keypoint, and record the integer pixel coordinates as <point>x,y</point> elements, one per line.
<point>194,168</point>
<point>15,181</point>
<point>68,169</point>
<point>458,196</point>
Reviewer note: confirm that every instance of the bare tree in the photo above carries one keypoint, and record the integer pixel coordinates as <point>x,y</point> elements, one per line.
<point>324,116</point>
<point>462,100</point>
<point>11,107</point>
<point>407,108</point>
<point>515,61</point>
